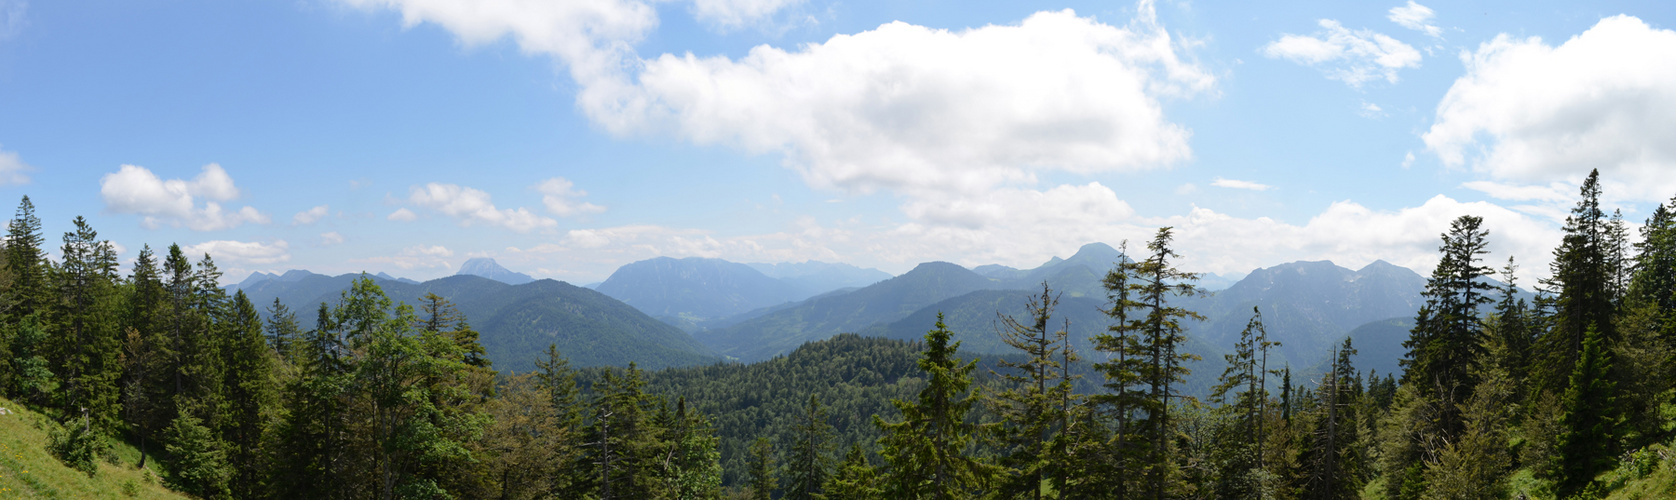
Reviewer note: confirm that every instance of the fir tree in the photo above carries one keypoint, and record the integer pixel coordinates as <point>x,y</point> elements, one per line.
<point>1581,284</point>
<point>252,395</point>
<point>809,464</point>
<point>1335,468</point>
<point>855,478</point>
<point>762,470</point>
<point>1445,344</point>
<point>1032,407</point>
<point>928,452</point>
<point>1590,419</point>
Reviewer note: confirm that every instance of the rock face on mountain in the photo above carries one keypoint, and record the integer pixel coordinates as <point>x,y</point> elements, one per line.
<point>488,268</point>
<point>517,322</point>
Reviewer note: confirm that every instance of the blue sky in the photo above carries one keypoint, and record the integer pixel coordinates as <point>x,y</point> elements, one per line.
<point>567,138</point>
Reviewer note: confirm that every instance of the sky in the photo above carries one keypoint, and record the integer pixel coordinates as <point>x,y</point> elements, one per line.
<point>567,138</point>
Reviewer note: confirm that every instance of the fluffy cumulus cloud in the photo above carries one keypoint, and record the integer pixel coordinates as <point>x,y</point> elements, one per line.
<point>1527,112</point>
<point>900,107</point>
<point>136,190</point>
<point>560,196</point>
<point>1415,17</point>
<point>473,206</point>
<point>402,215</point>
<point>1354,57</point>
<point>911,108</point>
<point>331,238</point>
<point>241,253</point>
<point>13,170</point>
<point>310,216</point>
<point>1239,184</point>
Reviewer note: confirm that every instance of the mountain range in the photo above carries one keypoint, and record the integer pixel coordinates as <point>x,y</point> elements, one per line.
<point>694,292</point>
<point>678,312</point>
<point>516,322</point>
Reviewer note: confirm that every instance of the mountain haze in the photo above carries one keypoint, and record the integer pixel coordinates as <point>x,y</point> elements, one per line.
<point>488,268</point>
<point>517,322</point>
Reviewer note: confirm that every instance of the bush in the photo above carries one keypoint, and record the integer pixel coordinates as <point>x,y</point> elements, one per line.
<point>78,446</point>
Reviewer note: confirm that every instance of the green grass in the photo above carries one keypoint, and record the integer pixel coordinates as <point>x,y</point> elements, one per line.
<point>27,470</point>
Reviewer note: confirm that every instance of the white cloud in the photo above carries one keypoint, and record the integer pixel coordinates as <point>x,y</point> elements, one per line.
<point>1039,225</point>
<point>474,206</point>
<point>1556,192</point>
<point>559,194</point>
<point>1408,159</point>
<point>309,216</point>
<point>240,252</point>
<point>136,190</point>
<point>1353,235</point>
<point>402,215</point>
<point>900,107</point>
<point>331,238</point>
<point>1354,57</point>
<point>1371,111</point>
<point>1415,17</point>
<point>732,14</point>
<point>1239,184</point>
<point>911,108</point>
<point>13,170</point>
<point>1528,112</point>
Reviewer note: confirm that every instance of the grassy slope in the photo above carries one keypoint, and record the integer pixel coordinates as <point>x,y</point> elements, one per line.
<point>28,471</point>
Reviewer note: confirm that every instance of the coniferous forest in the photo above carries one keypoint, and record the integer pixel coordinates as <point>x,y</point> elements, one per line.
<point>1571,394</point>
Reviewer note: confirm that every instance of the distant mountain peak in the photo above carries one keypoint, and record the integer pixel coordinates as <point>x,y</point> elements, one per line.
<point>488,268</point>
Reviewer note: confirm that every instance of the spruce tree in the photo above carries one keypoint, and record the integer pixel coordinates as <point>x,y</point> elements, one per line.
<point>762,470</point>
<point>252,396</point>
<point>283,332</point>
<point>1590,419</point>
<point>1334,467</point>
<point>928,453</point>
<point>1446,342</point>
<point>810,462</point>
<point>1241,395</point>
<point>1031,406</point>
<point>855,478</point>
<point>26,261</point>
<point>1147,327</point>
<point>1580,282</point>
<point>88,312</point>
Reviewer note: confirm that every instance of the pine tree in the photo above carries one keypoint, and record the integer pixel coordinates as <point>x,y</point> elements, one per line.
<point>1147,333</point>
<point>198,464</point>
<point>855,479</point>
<point>1032,406</point>
<point>282,330</point>
<point>762,470</point>
<point>928,453</point>
<point>690,464</point>
<point>1445,344</point>
<point>1242,396</point>
<point>85,356</point>
<point>1590,419</point>
<point>1581,282</point>
<point>26,261</point>
<point>1335,469</point>
<point>810,462</point>
<point>252,395</point>
<point>1476,465</point>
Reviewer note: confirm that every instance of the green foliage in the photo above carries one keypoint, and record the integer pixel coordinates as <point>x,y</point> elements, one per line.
<point>1590,426</point>
<point>928,453</point>
<point>810,460</point>
<point>855,479</point>
<point>198,463</point>
<point>763,471</point>
<point>78,446</point>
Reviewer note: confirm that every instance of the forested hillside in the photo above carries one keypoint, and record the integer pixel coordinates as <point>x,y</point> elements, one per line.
<point>517,322</point>
<point>367,395</point>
